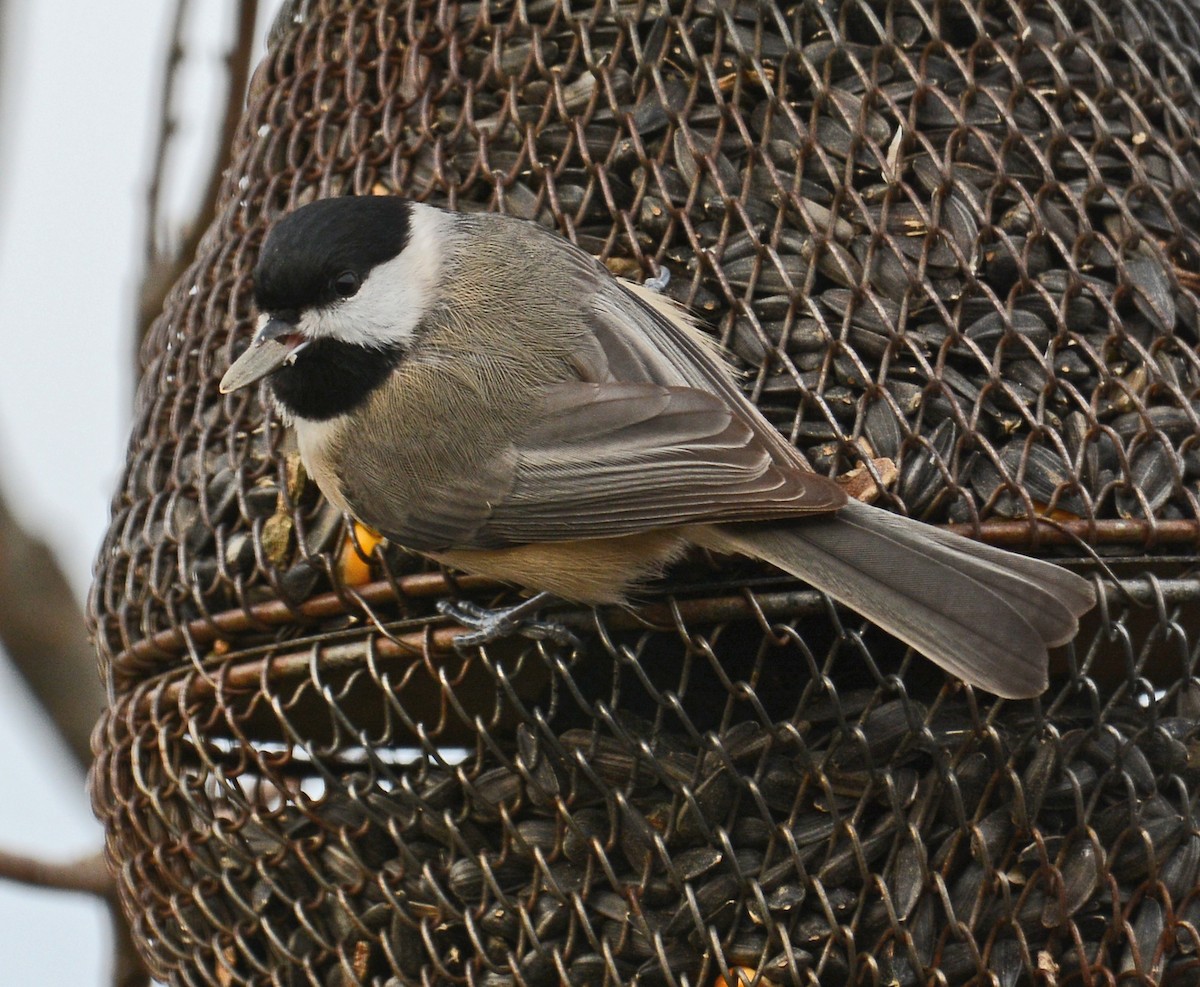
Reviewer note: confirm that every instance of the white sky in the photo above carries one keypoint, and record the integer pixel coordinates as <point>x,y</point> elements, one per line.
<point>81,83</point>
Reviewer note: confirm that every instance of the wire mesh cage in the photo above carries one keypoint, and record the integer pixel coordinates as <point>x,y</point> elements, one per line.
<point>952,246</point>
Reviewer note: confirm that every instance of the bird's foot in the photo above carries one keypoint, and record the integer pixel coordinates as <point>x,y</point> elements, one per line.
<point>487,625</point>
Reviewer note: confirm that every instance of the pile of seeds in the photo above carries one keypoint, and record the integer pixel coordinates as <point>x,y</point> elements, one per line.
<point>919,840</point>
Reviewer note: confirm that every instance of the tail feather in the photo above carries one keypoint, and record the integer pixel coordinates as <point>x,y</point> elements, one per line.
<point>983,614</point>
<point>1049,597</point>
<point>1075,593</point>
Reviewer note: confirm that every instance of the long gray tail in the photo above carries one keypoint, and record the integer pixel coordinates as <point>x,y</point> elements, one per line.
<point>983,614</point>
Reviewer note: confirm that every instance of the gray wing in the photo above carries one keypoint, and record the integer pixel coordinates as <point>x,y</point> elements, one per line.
<point>615,459</point>
<point>649,431</point>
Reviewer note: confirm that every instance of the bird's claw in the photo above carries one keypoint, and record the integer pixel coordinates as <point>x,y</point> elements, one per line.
<point>487,625</point>
<point>466,612</point>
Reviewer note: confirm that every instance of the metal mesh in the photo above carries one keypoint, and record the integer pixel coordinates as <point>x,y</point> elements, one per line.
<point>952,238</point>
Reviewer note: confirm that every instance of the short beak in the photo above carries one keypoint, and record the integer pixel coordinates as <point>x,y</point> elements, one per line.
<point>273,346</point>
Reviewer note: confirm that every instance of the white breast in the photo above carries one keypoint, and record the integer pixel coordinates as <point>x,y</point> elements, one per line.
<point>318,443</point>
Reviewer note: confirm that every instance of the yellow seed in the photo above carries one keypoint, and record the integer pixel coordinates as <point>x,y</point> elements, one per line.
<point>356,554</point>
<point>738,976</point>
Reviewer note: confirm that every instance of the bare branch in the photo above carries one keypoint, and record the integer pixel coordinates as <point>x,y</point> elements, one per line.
<point>166,128</point>
<point>164,264</point>
<point>89,875</point>
<point>42,629</point>
<point>237,63</point>
<point>128,969</point>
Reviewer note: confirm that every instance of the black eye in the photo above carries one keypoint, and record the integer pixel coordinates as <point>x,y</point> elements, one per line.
<point>346,284</point>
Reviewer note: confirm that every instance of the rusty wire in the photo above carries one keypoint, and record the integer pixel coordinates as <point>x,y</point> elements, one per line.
<point>955,237</point>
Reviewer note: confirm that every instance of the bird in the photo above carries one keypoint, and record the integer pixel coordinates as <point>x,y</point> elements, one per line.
<point>479,390</point>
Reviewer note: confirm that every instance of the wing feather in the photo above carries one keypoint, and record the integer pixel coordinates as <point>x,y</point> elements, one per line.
<point>615,459</point>
<point>649,431</point>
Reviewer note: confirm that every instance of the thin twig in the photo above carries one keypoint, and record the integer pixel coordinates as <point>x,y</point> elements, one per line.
<point>166,128</point>
<point>89,875</point>
<point>158,263</point>
<point>237,66</point>
<point>165,264</point>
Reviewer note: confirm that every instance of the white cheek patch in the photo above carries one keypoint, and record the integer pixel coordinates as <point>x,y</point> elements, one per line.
<point>396,295</point>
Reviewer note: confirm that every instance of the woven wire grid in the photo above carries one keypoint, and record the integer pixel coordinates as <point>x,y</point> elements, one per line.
<point>952,247</point>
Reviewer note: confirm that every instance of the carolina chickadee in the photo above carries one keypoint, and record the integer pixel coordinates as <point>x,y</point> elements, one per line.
<point>479,390</point>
